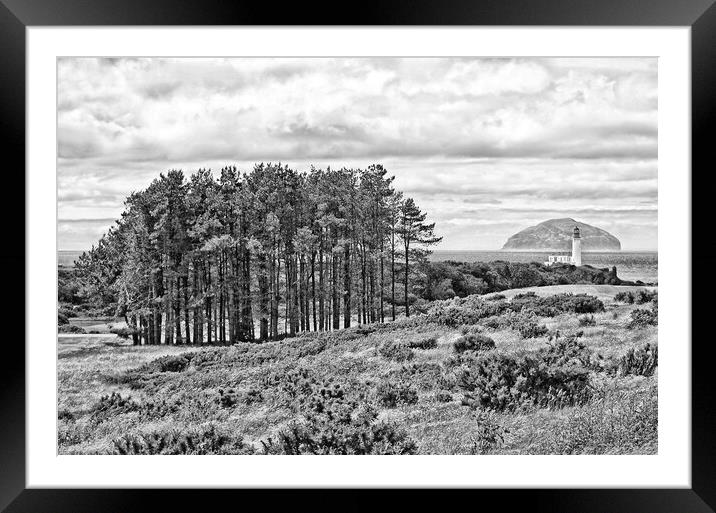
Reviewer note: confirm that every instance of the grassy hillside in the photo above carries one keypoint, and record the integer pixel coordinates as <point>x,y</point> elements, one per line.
<point>534,374</point>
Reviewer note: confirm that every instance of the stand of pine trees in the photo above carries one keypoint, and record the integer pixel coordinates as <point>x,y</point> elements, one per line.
<point>259,255</point>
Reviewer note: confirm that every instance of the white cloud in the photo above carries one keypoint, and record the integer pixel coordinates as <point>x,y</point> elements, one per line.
<point>458,133</point>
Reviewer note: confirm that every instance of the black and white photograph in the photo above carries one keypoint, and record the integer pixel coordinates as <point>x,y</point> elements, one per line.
<point>357,255</point>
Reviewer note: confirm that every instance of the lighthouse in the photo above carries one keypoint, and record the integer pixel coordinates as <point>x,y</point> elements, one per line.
<point>576,247</point>
<point>576,258</point>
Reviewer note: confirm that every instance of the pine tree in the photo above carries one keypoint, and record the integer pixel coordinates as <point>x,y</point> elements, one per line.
<point>413,231</point>
<point>201,260</point>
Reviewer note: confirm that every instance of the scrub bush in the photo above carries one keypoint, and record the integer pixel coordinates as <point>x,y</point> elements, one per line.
<point>473,342</point>
<point>335,424</point>
<point>208,440</point>
<point>640,362</point>
<point>443,396</point>
<point>489,434</point>
<point>392,393</point>
<point>461,311</point>
<point>112,405</point>
<point>424,343</point>
<point>549,306</point>
<point>552,377</point>
<point>642,318</point>
<point>396,351</point>
<point>587,320</point>
<point>625,297</point>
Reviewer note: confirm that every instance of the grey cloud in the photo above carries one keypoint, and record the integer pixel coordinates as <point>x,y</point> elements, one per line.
<point>88,196</point>
<point>159,90</point>
<point>566,190</point>
<point>122,121</point>
<point>102,221</point>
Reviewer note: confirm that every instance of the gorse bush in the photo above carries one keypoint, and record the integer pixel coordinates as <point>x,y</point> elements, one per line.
<point>333,423</point>
<point>586,320</point>
<point>642,317</point>
<point>230,398</point>
<point>227,398</point>
<point>525,323</point>
<point>457,361</point>
<point>171,363</point>
<point>424,375</point>
<point>424,343</point>
<point>443,396</point>
<point>160,408</point>
<point>391,393</point>
<point>291,388</point>
<point>531,329</point>
<point>396,351</point>
<point>112,405</point>
<point>202,441</point>
<point>473,342</point>
<point>251,396</point>
<point>550,306</point>
<point>461,311</point>
<point>639,297</point>
<point>646,296</point>
<point>489,434</point>
<point>471,329</point>
<point>552,377</point>
<point>625,297</point>
<point>67,312</point>
<point>63,414</point>
<point>494,323</point>
<point>568,350</point>
<point>525,295</point>
<point>61,319</point>
<point>473,309</point>
<point>640,362</point>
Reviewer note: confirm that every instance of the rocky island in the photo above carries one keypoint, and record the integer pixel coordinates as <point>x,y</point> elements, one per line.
<point>556,235</point>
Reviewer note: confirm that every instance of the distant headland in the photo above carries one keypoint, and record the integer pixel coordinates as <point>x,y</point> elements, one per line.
<point>556,235</point>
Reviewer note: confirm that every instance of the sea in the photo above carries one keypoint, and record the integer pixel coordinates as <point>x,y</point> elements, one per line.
<point>66,258</point>
<point>631,265</point>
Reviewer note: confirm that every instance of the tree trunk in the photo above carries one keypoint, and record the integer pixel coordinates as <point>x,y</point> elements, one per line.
<point>177,313</point>
<point>347,286</point>
<point>263,283</point>
<point>294,295</point>
<point>335,306</point>
<point>277,298</point>
<point>168,328</point>
<point>407,273</point>
<point>382,284</point>
<point>313,289</point>
<point>392,277</point>
<point>209,306</point>
<point>247,316</point>
<point>321,291</point>
<point>301,293</point>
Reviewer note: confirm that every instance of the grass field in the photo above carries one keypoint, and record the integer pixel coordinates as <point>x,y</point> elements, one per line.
<point>400,387</point>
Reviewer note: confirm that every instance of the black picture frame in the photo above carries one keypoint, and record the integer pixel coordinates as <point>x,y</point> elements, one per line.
<point>17,15</point>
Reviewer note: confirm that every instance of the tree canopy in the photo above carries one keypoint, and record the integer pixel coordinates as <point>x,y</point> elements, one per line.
<point>258,255</point>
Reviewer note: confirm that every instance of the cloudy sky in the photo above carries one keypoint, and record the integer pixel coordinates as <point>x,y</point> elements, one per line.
<point>486,146</point>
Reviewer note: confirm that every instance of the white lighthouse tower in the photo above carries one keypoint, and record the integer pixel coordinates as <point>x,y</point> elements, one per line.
<point>576,247</point>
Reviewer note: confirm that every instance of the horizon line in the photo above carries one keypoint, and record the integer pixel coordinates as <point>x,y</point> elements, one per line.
<point>627,250</point>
